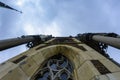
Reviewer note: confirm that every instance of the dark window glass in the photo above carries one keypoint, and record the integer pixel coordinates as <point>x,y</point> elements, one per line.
<point>64,76</point>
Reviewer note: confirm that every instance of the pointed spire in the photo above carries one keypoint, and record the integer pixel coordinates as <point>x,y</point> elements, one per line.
<point>8,7</point>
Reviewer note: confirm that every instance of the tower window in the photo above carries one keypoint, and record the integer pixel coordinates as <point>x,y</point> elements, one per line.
<point>57,67</point>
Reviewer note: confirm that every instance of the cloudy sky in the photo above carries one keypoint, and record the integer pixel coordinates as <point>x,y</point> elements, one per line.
<point>59,18</point>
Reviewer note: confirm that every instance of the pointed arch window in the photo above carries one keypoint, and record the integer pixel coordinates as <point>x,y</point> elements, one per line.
<point>57,67</point>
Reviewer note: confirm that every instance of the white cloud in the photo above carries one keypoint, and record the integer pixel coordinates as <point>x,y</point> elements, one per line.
<point>36,19</point>
<point>29,29</point>
<point>20,2</point>
<point>47,29</point>
<point>53,29</point>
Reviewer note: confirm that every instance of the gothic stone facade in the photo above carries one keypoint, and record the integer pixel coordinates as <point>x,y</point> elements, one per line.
<point>87,64</point>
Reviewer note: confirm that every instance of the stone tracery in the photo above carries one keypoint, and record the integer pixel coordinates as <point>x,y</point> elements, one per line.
<point>57,67</point>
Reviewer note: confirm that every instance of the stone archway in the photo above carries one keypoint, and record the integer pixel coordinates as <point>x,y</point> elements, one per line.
<point>70,52</point>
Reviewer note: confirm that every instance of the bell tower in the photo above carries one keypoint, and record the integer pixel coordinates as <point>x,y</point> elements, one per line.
<point>62,58</point>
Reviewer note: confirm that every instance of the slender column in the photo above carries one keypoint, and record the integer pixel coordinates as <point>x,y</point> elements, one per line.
<point>115,42</point>
<point>8,43</point>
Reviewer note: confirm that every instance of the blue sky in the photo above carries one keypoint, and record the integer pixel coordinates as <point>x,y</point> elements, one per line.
<point>59,18</point>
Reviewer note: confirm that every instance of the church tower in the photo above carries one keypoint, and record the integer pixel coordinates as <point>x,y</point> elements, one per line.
<point>62,58</point>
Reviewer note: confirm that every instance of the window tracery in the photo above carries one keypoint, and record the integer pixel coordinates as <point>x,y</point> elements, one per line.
<point>57,67</point>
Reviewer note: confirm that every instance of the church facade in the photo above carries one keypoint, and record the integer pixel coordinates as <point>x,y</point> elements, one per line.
<point>61,58</point>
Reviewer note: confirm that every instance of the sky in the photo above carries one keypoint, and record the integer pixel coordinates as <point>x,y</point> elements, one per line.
<point>58,18</point>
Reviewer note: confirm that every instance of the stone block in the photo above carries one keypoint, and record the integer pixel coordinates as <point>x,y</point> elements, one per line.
<point>95,55</point>
<point>114,76</point>
<point>86,47</point>
<point>15,74</point>
<point>49,51</point>
<point>6,67</point>
<point>29,66</point>
<point>110,65</point>
<point>38,58</point>
<point>110,76</point>
<point>100,77</point>
<point>87,71</point>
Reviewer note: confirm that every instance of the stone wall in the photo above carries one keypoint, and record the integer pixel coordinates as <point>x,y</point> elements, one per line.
<point>26,65</point>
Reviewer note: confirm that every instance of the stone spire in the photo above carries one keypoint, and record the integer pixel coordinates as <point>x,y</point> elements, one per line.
<point>8,7</point>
